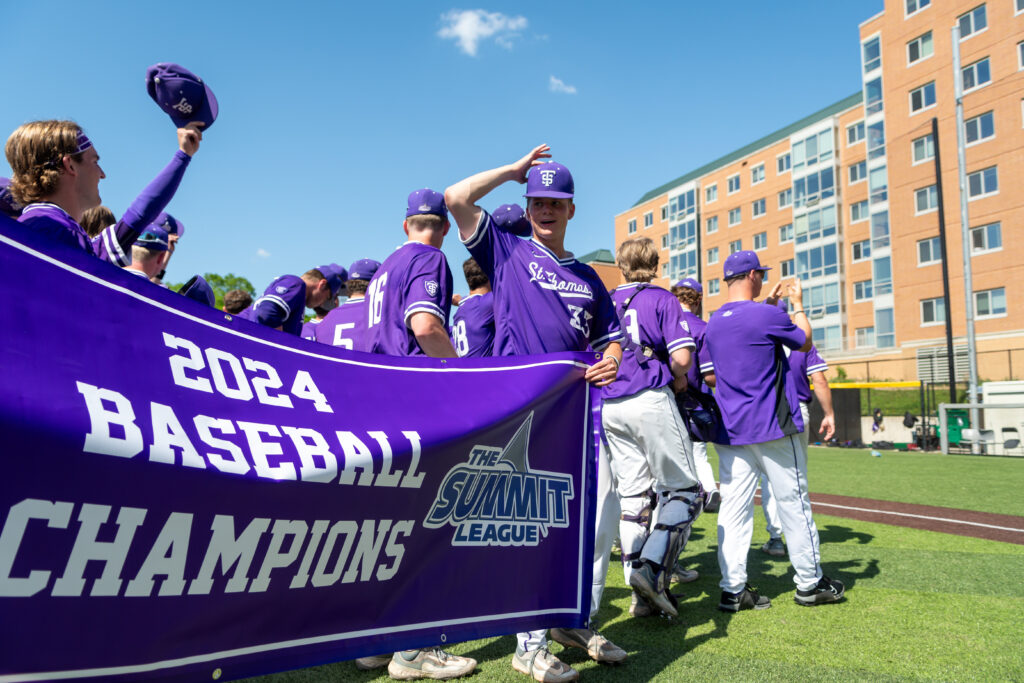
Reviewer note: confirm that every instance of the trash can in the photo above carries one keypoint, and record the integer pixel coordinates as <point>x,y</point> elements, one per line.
<point>956,421</point>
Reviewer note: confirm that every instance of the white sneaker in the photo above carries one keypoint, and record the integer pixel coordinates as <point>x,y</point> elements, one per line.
<point>543,666</point>
<point>374,662</point>
<point>597,646</point>
<point>434,663</point>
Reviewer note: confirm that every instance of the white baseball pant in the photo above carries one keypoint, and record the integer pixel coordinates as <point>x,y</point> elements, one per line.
<point>768,506</point>
<point>704,471</point>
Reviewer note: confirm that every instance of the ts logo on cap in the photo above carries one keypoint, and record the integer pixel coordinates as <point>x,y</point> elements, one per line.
<point>424,207</point>
<point>431,287</point>
<point>184,107</point>
<point>547,176</point>
<point>280,289</point>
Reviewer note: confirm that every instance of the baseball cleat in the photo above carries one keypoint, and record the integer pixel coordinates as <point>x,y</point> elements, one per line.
<point>435,664</point>
<point>827,590</point>
<point>644,582</point>
<point>747,598</point>
<point>543,666</point>
<point>638,607</point>
<point>683,575</point>
<point>374,662</point>
<point>714,501</point>
<point>597,646</point>
<point>774,547</point>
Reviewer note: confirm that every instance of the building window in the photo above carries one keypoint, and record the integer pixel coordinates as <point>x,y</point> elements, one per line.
<point>926,199</point>
<point>885,329</point>
<point>758,208</point>
<point>1018,6</point>
<point>976,75</point>
<point>990,303</point>
<point>712,256</point>
<point>632,226</point>
<point>734,216</point>
<point>919,48</point>
<point>760,241</point>
<point>664,213</point>
<point>814,187</point>
<point>865,336</point>
<point>979,128</point>
<point>711,225</point>
<point>786,233</point>
<point>813,149</point>
<point>1020,55</point>
<point>922,98</point>
<point>876,140</point>
<point>933,311</point>
<point>736,245</point>
<point>873,96</point>
<point>711,193</point>
<point>878,185</point>
<point>916,6</point>
<point>757,174</point>
<point>734,183</point>
<point>788,268</point>
<point>982,183</point>
<point>817,261</point>
<point>664,270</point>
<point>815,225</point>
<point>713,286</point>
<point>859,211</point>
<point>664,241</point>
<point>862,290</point>
<point>986,238</point>
<point>783,163</point>
<point>821,300</point>
<point>872,54</point>
<point>786,198</point>
<point>929,251</point>
<point>854,133</point>
<point>858,172</point>
<point>880,230</point>
<point>881,274</point>
<point>862,250</point>
<point>972,22</point>
<point>924,148</point>
<point>648,219</point>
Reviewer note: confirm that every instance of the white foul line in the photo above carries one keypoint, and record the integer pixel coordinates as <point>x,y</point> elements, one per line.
<point>815,503</point>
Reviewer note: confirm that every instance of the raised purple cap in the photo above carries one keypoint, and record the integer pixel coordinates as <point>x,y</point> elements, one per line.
<point>8,205</point>
<point>742,262</point>
<point>171,224</point>
<point>690,283</point>
<point>153,238</point>
<point>550,179</point>
<point>198,289</point>
<point>426,201</point>
<point>512,218</point>
<point>181,94</point>
<point>363,269</point>
<point>335,275</point>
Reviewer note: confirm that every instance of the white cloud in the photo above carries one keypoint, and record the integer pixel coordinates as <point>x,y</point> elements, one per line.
<point>263,253</point>
<point>469,27</point>
<point>558,85</point>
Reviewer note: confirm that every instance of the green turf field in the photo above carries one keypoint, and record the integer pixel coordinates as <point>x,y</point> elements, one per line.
<point>920,605</point>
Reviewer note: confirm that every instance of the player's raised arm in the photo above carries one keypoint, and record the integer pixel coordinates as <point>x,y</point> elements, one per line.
<point>796,297</point>
<point>462,197</point>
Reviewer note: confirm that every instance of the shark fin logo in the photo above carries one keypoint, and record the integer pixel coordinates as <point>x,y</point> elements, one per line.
<point>497,499</point>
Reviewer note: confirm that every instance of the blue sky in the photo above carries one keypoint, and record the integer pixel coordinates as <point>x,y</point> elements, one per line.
<point>332,112</point>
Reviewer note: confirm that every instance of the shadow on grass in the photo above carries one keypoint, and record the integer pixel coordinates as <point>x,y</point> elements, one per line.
<point>842,534</point>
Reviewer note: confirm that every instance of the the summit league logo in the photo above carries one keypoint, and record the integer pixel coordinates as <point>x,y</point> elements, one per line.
<point>497,499</point>
<point>547,176</point>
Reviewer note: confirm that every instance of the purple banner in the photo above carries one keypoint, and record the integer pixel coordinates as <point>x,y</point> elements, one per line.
<point>189,496</point>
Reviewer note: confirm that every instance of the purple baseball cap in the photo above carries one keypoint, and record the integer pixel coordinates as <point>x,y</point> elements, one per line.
<point>153,238</point>
<point>335,275</point>
<point>550,179</point>
<point>198,289</point>
<point>363,269</point>
<point>181,94</point>
<point>8,205</point>
<point>742,262</point>
<point>512,218</point>
<point>426,201</point>
<point>690,283</point>
<point>171,224</point>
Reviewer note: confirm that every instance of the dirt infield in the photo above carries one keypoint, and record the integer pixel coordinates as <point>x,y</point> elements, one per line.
<point>1007,528</point>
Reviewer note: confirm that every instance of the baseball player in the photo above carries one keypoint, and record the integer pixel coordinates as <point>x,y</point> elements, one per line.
<point>409,301</point>
<point>701,376</point>
<point>97,219</point>
<point>345,326</point>
<point>760,435</point>
<point>546,301</point>
<point>236,301</point>
<point>57,175</point>
<point>175,231</point>
<point>286,299</point>
<point>8,206</point>
<point>149,253</point>
<point>472,329</point>
<point>310,327</point>
<point>801,365</point>
<point>648,443</point>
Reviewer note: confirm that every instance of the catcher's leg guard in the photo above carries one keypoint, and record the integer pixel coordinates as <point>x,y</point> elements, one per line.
<point>677,510</point>
<point>634,527</point>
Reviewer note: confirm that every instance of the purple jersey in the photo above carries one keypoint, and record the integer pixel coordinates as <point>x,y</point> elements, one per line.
<point>414,279</point>
<point>542,304</point>
<point>802,365</point>
<point>654,321</point>
<point>702,364</point>
<point>282,305</point>
<point>472,330</point>
<point>754,389</point>
<point>345,326</point>
<point>114,244</point>
<point>309,329</point>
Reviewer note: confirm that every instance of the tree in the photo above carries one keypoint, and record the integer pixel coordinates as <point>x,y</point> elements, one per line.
<point>222,284</point>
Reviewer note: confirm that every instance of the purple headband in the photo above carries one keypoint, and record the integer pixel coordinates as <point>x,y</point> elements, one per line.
<point>83,142</point>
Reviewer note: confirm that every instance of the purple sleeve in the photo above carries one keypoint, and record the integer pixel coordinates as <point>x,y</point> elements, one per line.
<point>490,245</point>
<point>605,329</point>
<point>115,243</point>
<point>427,291</point>
<point>276,306</point>
<point>778,327</point>
<point>674,329</point>
<point>815,363</point>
